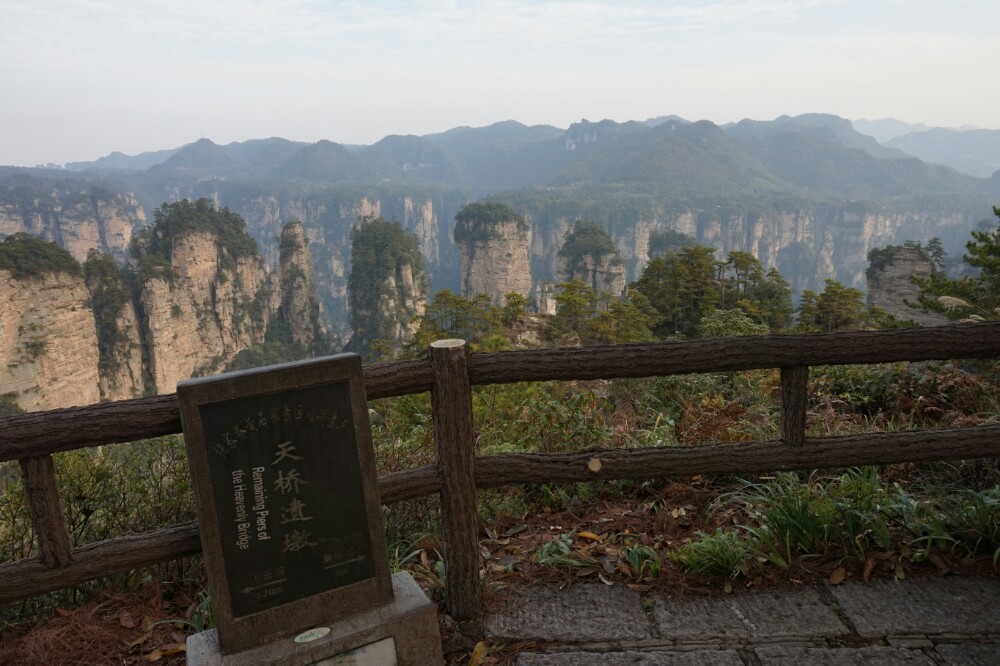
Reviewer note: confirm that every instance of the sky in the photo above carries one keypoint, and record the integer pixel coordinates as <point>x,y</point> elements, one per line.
<point>82,78</point>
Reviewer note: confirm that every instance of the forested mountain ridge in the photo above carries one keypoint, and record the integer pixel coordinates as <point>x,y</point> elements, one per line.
<point>975,152</point>
<point>807,195</point>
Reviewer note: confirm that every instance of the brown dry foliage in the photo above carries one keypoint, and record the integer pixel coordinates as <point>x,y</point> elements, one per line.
<point>115,628</point>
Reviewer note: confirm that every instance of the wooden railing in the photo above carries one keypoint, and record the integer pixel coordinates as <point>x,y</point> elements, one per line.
<point>448,373</point>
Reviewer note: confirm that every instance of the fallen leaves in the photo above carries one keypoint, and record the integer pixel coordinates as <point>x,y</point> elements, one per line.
<point>165,651</point>
<point>866,573</point>
<point>478,656</point>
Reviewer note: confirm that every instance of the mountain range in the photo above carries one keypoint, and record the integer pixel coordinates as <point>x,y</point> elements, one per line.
<point>808,194</point>
<point>486,155</point>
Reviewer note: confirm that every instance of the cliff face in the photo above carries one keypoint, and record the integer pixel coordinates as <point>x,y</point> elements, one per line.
<point>298,307</point>
<point>79,221</point>
<point>119,337</point>
<point>48,341</point>
<point>388,287</point>
<point>201,312</point>
<point>327,219</point>
<point>402,302</point>
<point>589,254</point>
<point>122,370</point>
<point>890,287</point>
<point>602,273</point>
<point>421,218</point>
<point>807,246</point>
<point>496,261</point>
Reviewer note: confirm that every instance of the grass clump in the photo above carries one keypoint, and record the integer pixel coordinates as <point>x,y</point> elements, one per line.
<point>721,554</point>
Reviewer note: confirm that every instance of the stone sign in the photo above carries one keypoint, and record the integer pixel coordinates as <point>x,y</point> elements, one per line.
<point>284,478</point>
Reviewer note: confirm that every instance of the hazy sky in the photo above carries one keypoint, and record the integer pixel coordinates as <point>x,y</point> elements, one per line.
<point>80,78</point>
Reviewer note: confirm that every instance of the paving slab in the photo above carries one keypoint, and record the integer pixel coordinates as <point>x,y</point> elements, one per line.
<point>776,655</point>
<point>969,654</point>
<point>955,606</point>
<point>698,658</point>
<point>581,613</point>
<point>749,616</point>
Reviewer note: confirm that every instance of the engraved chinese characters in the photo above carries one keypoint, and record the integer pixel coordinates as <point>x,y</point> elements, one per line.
<point>288,493</point>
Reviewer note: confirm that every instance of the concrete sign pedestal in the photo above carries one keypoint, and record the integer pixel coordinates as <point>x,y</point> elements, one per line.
<point>402,633</point>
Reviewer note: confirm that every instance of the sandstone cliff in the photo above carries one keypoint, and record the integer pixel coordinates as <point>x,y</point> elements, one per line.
<point>119,337</point>
<point>493,244</point>
<point>388,287</point>
<point>48,342</point>
<point>201,312</point>
<point>402,301</point>
<point>298,306</point>
<point>806,245</point>
<point>203,291</point>
<point>890,287</point>
<point>78,219</point>
<point>588,254</point>
<point>122,375</point>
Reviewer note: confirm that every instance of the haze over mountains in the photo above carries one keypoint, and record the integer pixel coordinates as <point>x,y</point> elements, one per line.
<point>440,157</point>
<point>808,195</point>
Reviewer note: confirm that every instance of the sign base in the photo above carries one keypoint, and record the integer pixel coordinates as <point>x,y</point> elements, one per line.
<point>406,628</point>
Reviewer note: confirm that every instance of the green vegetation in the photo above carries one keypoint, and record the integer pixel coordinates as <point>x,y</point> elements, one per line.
<point>178,220</point>
<point>587,239</point>
<point>685,286</point>
<point>476,222</point>
<point>837,308</point>
<point>8,405</point>
<point>449,315</point>
<point>107,492</point>
<point>969,298</point>
<point>760,526</point>
<point>35,348</point>
<point>381,251</point>
<point>879,258</point>
<point>25,256</point>
<point>853,515</point>
<point>599,319</point>
<point>721,554</point>
<point>662,242</point>
<point>874,518</point>
<point>840,308</point>
<point>289,243</point>
<point>729,323</point>
<point>278,347</point>
<point>681,288</point>
<point>110,289</point>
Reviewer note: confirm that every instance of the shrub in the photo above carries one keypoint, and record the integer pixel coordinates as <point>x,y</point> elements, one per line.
<point>25,256</point>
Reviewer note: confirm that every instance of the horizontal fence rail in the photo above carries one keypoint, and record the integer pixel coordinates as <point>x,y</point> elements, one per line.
<point>32,438</point>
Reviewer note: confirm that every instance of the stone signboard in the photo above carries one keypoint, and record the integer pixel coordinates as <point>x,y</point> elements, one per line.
<point>284,478</point>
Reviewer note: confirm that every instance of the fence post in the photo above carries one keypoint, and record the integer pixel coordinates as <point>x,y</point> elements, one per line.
<point>793,404</point>
<point>451,404</point>
<point>47,515</point>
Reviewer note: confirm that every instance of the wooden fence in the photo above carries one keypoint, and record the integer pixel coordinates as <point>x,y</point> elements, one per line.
<point>448,373</point>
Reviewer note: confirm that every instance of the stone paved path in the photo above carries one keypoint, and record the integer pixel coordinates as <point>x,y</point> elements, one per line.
<point>941,621</point>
